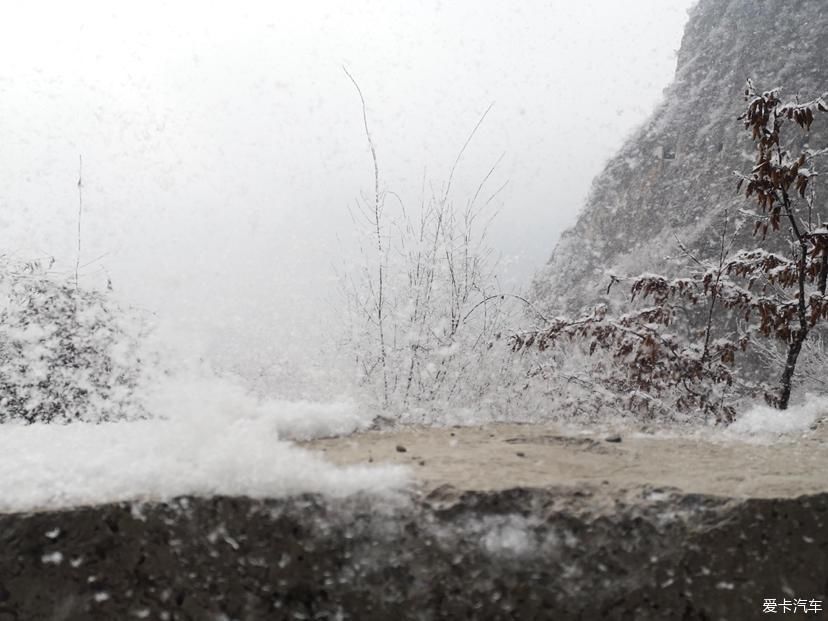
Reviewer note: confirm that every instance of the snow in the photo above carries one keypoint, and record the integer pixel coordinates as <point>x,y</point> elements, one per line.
<point>512,538</point>
<point>53,558</point>
<point>764,423</point>
<point>208,437</point>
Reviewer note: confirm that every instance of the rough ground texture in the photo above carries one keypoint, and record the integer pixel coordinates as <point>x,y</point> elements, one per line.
<point>514,554</point>
<point>499,457</point>
<point>674,176</point>
<point>483,534</point>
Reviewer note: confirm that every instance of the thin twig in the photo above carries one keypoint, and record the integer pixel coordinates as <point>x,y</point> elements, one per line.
<point>463,150</point>
<point>377,224</point>
<point>687,252</point>
<point>505,295</point>
<point>80,216</point>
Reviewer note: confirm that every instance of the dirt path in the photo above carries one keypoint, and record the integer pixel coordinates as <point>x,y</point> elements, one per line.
<point>502,456</point>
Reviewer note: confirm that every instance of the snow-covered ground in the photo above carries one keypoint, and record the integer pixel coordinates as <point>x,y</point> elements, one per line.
<point>764,424</point>
<point>209,437</point>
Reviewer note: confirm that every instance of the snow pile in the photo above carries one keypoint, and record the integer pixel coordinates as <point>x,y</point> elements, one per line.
<point>764,423</point>
<point>199,399</point>
<point>208,438</point>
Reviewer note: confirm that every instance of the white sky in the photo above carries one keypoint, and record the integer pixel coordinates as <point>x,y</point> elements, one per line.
<point>222,142</point>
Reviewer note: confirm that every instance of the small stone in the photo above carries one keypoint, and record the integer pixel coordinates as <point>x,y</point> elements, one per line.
<point>520,454</point>
<point>401,448</point>
<point>613,438</point>
<point>422,462</point>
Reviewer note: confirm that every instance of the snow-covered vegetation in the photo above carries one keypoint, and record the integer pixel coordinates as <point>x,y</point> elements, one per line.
<point>67,353</point>
<point>426,314</point>
<point>681,351</point>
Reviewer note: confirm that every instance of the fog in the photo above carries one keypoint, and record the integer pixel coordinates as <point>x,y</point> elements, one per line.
<point>223,144</point>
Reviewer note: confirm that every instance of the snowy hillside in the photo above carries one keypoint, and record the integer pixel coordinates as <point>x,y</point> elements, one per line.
<point>674,176</point>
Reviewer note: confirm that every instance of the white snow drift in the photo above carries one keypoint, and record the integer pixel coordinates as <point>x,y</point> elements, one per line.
<point>209,437</point>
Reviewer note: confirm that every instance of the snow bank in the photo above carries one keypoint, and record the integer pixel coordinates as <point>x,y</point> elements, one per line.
<point>764,423</point>
<point>204,401</point>
<point>209,437</point>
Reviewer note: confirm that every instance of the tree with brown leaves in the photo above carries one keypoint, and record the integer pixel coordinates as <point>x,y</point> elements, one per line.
<point>779,183</point>
<point>769,293</point>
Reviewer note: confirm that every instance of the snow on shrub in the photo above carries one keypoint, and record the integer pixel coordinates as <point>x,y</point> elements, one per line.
<point>66,354</point>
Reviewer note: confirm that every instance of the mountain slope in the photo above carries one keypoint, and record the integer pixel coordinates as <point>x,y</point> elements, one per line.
<point>673,178</point>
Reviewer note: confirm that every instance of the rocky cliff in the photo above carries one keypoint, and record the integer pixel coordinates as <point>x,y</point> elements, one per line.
<point>673,178</point>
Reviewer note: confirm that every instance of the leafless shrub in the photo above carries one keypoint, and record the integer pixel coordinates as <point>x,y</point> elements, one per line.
<point>426,308</point>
